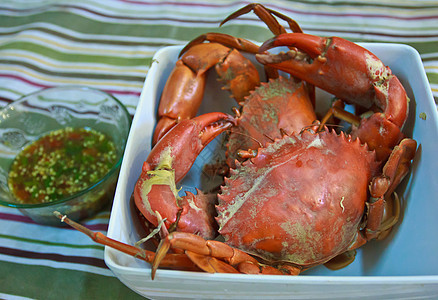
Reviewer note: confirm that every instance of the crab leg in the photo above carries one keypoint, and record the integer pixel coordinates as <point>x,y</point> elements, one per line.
<point>213,256</point>
<point>337,110</point>
<point>167,163</point>
<point>170,260</point>
<point>394,171</point>
<point>223,39</point>
<point>398,164</point>
<point>184,89</point>
<point>351,73</point>
<point>187,261</point>
<point>382,187</point>
<point>266,15</point>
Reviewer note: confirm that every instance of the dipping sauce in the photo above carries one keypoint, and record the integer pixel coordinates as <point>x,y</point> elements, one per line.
<point>60,164</point>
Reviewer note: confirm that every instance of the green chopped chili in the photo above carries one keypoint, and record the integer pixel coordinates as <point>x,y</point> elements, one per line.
<point>60,164</point>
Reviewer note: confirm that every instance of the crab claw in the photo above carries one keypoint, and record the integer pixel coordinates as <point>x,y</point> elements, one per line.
<point>167,163</point>
<point>341,68</point>
<point>351,73</point>
<point>186,140</point>
<point>332,64</point>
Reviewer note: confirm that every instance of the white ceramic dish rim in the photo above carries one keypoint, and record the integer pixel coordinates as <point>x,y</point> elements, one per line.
<point>117,212</point>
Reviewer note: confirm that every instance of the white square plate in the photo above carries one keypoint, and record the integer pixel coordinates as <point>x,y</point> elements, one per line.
<point>405,265</point>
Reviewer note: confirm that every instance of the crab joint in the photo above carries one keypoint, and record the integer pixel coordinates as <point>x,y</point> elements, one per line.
<point>247,154</point>
<point>153,232</point>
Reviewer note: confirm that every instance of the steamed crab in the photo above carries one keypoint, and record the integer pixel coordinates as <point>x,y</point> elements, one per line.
<point>297,195</point>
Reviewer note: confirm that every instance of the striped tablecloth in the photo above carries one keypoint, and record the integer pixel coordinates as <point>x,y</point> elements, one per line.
<point>109,45</point>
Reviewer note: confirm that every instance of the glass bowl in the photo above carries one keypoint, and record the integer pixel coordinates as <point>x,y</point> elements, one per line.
<point>35,115</point>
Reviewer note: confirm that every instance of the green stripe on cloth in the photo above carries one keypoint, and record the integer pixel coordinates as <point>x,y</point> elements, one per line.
<point>71,74</point>
<point>51,283</point>
<point>72,57</point>
<point>433,77</point>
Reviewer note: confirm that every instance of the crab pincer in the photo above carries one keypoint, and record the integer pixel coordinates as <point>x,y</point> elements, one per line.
<point>351,73</point>
<point>167,164</point>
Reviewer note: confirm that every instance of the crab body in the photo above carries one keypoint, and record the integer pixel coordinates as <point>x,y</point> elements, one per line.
<point>300,200</point>
<point>280,106</point>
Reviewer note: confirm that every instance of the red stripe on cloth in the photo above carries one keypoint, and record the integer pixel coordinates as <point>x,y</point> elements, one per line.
<point>283,9</point>
<point>60,7</point>
<point>25,219</point>
<point>91,261</point>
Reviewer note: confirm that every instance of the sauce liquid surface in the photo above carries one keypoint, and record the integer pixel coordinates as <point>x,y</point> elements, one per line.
<point>60,164</point>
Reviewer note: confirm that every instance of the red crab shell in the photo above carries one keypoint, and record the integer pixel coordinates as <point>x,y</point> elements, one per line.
<point>281,104</point>
<point>300,200</point>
